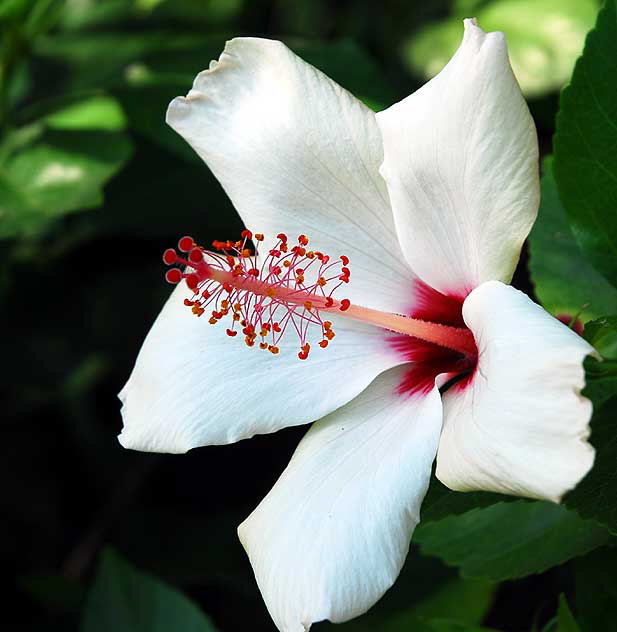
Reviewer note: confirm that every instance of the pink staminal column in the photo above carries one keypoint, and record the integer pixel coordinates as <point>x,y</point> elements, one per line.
<point>290,289</point>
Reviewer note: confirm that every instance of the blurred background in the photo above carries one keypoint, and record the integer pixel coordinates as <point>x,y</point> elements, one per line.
<point>93,187</point>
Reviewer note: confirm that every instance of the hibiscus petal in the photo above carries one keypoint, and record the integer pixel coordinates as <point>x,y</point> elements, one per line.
<point>520,426</point>
<point>296,153</point>
<point>193,385</point>
<point>331,536</point>
<point>461,163</point>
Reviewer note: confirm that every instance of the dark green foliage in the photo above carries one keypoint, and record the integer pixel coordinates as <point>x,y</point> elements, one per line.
<point>596,591</point>
<point>596,496</point>
<point>544,536</point>
<point>124,599</point>
<point>564,282</point>
<point>586,146</point>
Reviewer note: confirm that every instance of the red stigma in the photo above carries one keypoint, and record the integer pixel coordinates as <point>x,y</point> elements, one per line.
<point>185,244</point>
<point>169,256</point>
<point>173,276</point>
<point>196,255</point>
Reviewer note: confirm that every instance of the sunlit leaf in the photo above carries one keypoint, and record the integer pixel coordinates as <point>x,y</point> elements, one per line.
<point>80,14</point>
<point>56,172</point>
<point>10,9</point>
<point>510,540</point>
<point>585,164</point>
<point>204,11</point>
<point>124,599</point>
<point>17,213</point>
<point>100,113</point>
<point>602,334</point>
<point>544,38</point>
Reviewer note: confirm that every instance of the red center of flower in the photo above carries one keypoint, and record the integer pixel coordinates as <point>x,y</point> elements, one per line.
<point>290,288</point>
<point>429,359</point>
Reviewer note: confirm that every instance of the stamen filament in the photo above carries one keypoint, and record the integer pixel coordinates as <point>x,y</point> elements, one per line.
<point>287,289</point>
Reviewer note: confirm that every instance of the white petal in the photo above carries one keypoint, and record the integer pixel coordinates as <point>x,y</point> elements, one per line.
<point>331,536</point>
<point>296,153</point>
<point>461,163</point>
<point>521,426</point>
<point>193,385</point>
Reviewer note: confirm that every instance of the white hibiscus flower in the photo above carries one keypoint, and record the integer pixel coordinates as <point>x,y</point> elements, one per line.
<point>431,201</point>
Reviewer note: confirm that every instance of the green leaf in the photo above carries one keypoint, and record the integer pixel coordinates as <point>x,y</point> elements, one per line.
<point>83,15</point>
<point>54,173</point>
<point>10,9</point>
<point>99,60</point>
<point>455,605</point>
<point>544,39</point>
<point>596,496</point>
<point>565,283</point>
<point>463,602</point>
<point>509,540</point>
<point>586,146</point>
<point>565,619</point>
<point>602,334</point>
<point>600,389</point>
<point>441,502</point>
<point>99,113</point>
<point>124,599</point>
<point>440,625</point>
<point>17,213</point>
<point>596,591</point>
<point>206,12</point>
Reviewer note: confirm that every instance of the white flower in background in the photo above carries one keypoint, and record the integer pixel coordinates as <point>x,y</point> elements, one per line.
<point>431,200</point>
